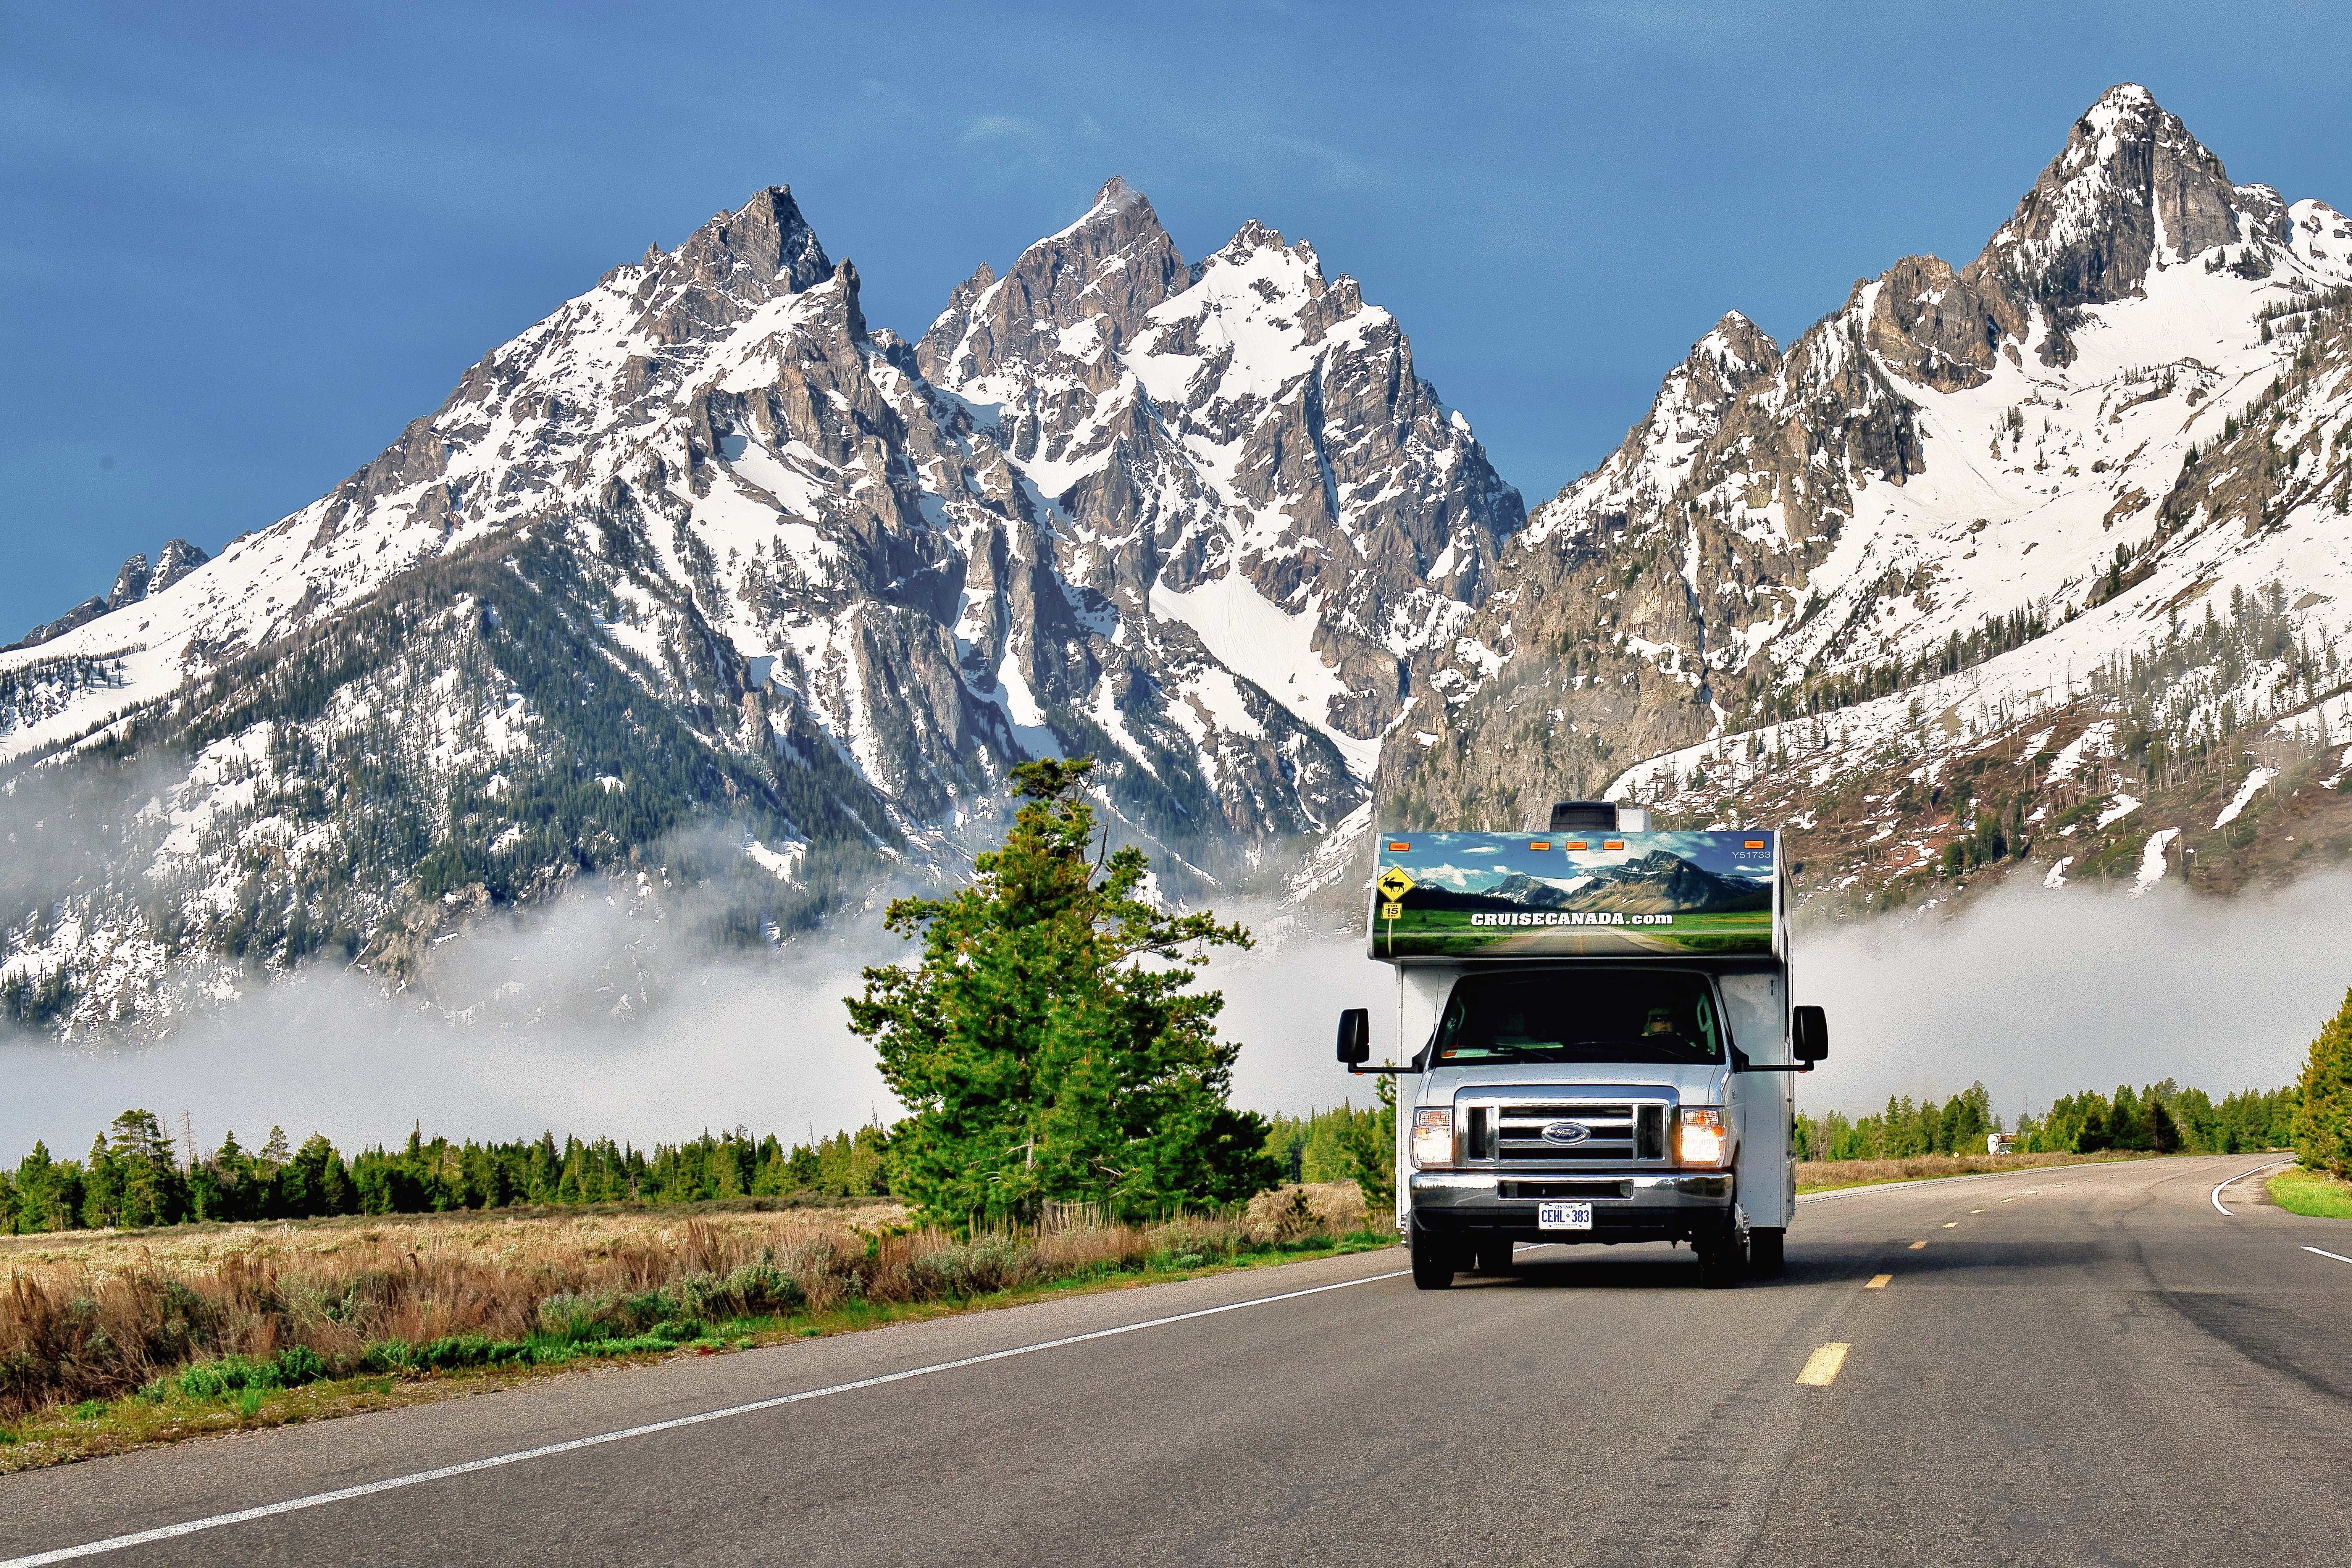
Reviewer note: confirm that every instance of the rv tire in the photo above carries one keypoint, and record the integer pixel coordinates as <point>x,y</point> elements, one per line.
<point>1434,1258</point>
<point>1721,1259</point>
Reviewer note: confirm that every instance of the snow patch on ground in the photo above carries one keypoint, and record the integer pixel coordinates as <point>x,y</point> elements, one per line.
<point>2246,792</point>
<point>2124,807</point>
<point>2151,860</point>
<point>778,862</point>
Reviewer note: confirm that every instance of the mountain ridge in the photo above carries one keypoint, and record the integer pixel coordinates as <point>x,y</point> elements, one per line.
<point>704,508</point>
<point>1789,534</point>
<point>705,587</point>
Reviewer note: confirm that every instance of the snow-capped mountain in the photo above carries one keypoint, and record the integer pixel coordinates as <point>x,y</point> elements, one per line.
<point>702,551</point>
<point>2044,553</point>
<point>703,583</point>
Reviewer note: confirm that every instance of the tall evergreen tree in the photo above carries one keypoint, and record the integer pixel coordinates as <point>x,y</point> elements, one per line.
<point>1048,1047</point>
<point>2323,1123</point>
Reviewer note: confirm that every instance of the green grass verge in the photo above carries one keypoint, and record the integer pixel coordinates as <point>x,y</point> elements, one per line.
<point>2315,1193</point>
<point>231,1393</point>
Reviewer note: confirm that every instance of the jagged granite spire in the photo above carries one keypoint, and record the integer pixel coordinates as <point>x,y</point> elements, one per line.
<point>1109,268</point>
<point>2131,190</point>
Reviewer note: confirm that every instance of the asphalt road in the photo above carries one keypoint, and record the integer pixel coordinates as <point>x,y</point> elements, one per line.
<point>2086,1365</point>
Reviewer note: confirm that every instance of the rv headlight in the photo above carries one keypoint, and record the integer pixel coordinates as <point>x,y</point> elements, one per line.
<point>1698,1136</point>
<point>1433,1136</point>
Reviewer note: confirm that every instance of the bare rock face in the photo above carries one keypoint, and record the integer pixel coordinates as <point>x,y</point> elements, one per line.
<point>1072,301</point>
<point>81,614</point>
<point>130,583</point>
<point>2133,190</point>
<point>174,561</point>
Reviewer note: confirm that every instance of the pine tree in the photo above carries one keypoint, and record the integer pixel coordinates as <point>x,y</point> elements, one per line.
<point>1046,1047</point>
<point>2323,1123</point>
<point>1372,1151</point>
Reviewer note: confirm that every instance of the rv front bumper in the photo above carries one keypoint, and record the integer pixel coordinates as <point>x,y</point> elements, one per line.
<point>1650,1206</point>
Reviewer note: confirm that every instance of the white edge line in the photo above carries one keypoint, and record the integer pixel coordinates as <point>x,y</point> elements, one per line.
<point>2324,1252</point>
<point>394,1483</point>
<point>2242,1176</point>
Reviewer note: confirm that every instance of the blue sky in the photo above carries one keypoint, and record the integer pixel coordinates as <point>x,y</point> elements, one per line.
<point>242,246</point>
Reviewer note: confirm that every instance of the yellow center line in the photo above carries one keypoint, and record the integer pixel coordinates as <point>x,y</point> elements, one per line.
<point>1917,1245</point>
<point>1976,1211</point>
<point>1878,1282</point>
<point>1951,1225</point>
<point>1822,1367</point>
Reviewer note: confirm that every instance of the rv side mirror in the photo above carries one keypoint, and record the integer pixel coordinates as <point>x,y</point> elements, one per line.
<point>1809,1035</point>
<point>1355,1036</point>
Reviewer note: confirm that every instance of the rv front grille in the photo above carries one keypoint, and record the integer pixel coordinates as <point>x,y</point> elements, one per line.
<point>1602,1132</point>
<point>1529,1134</point>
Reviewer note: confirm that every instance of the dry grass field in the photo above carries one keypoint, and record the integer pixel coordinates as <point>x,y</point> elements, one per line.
<point>111,1339</point>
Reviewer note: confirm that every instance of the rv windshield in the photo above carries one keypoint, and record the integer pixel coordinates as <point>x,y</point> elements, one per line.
<point>1592,1015</point>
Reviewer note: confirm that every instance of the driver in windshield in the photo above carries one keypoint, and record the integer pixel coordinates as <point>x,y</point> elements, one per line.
<point>1662,1021</point>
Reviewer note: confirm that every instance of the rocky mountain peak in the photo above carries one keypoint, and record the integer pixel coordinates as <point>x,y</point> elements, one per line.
<point>1915,557</point>
<point>130,583</point>
<point>1254,235</point>
<point>1078,295</point>
<point>2131,190</point>
<point>729,267</point>
<point>1737,346</point>
<point>136,581</point>
<point>764,247</point>
<point>175,560</point>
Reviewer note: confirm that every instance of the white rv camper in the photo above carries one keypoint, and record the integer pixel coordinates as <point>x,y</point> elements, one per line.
<point>1602,1036</point>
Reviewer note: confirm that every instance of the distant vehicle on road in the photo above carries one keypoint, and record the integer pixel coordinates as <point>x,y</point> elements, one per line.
<point>1999,1144</point>
<point>1606,1037</point>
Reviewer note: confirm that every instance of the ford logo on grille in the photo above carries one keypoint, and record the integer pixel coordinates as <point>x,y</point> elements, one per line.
<point>1565,1133</point>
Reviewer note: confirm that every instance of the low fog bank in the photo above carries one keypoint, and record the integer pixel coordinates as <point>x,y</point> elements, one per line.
<point>599,1015</point>
<point>2040,993</point>
<point>1283,1002</point>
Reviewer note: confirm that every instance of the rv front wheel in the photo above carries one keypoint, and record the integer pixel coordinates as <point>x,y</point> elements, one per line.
<point>1721,1259</point>
<point>1432,1261</point>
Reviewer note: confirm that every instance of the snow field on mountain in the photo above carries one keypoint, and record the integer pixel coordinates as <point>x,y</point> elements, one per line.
<point>2047,531</point>
<point>1271,648</point>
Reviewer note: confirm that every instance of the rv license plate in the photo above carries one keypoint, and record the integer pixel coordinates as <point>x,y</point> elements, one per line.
<point>1563,1216</point>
